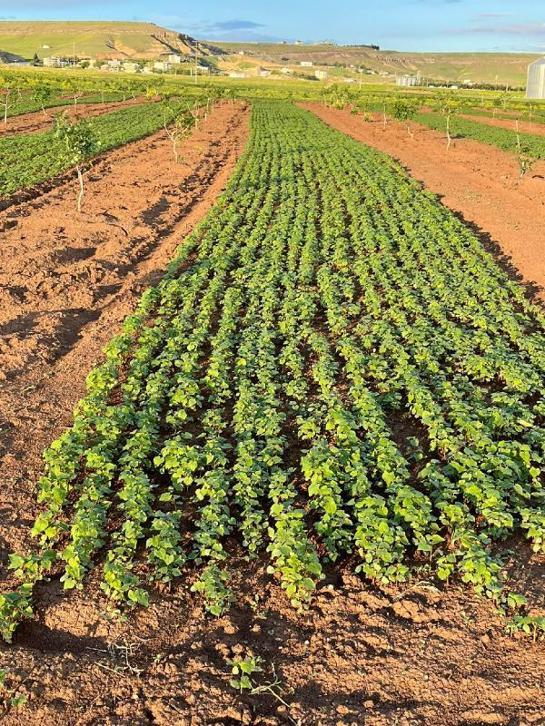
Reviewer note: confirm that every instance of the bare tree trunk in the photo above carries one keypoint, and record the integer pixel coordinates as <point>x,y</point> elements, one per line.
<point>449,138</point>
<point>384,120</point>
<point>81,190</point>
<point>517,127</point>
<point>410,132</point>
<point>45,113</point>
<point>174,140</point>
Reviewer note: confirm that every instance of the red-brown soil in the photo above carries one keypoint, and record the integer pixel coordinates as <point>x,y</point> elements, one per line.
<point>480,182</point>
<point>42,120</point>
<point>525,127</point>
<point>362,655</point>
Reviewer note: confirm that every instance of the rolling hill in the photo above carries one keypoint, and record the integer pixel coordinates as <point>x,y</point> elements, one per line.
<point>500,68</point>
<point>104,40</point>
<point>148,41</point>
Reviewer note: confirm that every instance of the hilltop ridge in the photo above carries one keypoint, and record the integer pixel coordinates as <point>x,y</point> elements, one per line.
<point>492,68</point>
<point>102,40</point>
<point>105,40</point>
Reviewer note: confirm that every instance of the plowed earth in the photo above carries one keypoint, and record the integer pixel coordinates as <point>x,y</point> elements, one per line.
<point>362,655</point>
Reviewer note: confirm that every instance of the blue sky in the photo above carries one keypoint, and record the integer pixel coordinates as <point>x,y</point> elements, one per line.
<point>448,25</point>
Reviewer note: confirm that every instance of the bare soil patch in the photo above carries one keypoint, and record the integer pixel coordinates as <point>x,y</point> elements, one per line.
<point>43,120</point>
<point>479,182</point>
<point>362,655</point>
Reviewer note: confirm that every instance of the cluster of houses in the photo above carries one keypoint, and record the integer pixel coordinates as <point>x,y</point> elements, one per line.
<point>171,61</point>
<point>267,72</point>
<point>319,74</point>
<point>535,86</point>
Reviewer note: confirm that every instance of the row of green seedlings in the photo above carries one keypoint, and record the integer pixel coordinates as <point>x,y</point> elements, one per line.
<point>524,379</point>
<point>405,109</point>
<point>477,565</point>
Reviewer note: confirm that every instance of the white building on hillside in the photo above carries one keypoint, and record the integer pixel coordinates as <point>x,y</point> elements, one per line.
<point>54,61</point>
<point>407,81</point>
<point>535,87</point>
<point>162,66</point>
<point>131,67</point>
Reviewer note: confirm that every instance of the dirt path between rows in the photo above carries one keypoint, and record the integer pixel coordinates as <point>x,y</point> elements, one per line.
<point>42,121</point>
<point>362,655</point>
<point>525,127</point>
<point>479,182</point>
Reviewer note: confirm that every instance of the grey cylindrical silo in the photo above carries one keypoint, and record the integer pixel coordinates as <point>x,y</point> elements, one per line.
<point>536,80</point>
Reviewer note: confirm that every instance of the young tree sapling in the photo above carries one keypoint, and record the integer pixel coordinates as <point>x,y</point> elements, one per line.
<point>404,110</point>
<point>43,95</point>
<point>178,129</point>
<point>78,143</point>
<point>448,106</point>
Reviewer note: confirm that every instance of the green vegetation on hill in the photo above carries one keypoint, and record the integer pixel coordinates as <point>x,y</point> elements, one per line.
<point>96,39</point>
<point>494,68</point>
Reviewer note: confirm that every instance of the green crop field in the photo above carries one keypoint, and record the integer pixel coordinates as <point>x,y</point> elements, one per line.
<point>505,139</point>
<point>332,366</point>
<point>28,160</point>
<point>27,103</point>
